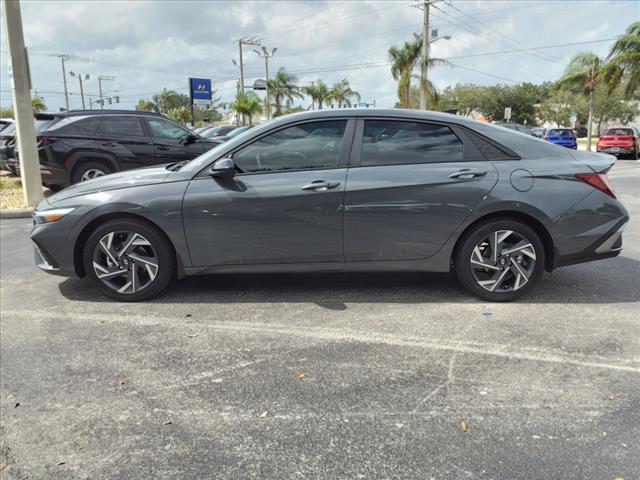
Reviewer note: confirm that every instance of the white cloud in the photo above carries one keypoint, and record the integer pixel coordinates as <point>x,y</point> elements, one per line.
<point>150,45</point>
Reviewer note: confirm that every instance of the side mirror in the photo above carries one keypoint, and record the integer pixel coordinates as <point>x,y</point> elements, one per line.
<point>223,168</point>
<point>190,138</point>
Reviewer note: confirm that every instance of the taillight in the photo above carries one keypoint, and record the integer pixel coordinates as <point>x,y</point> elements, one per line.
<point>599,181</point>
<point>546,138</point>
<point>42,141</point>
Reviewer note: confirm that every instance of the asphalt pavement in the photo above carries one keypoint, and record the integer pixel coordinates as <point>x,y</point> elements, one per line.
<point>328,376</point>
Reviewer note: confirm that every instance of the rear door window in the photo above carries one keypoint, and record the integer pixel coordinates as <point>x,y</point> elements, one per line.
<point>619,131</point>
<point>121,125</point>
<point>391,142</point>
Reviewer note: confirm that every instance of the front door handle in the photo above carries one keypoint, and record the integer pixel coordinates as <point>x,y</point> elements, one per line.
<point>162,147</point>
<point>467,173</point>
<point>320,186</point>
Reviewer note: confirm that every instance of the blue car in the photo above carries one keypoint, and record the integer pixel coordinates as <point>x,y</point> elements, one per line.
<point>561,136</point>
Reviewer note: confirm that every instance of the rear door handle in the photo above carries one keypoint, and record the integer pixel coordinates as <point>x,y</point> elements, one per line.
<point>320,186</point>
<point>162,147</point>
<point>108,144</point>
<point>467,173</point>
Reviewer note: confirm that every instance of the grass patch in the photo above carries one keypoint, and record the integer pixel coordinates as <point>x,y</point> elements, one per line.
<point>10,184</point>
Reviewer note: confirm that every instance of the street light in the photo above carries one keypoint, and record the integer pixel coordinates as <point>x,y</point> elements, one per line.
<point>266,55</point>
<point>86,77</point>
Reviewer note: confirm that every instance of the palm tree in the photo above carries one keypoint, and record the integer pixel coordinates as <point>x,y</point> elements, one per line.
<point>146,106</point>
<point>248,104</point>
<point>583,73</point>
<point>179,114</point>
<point>342,94</point>
<point>283,87</point>
<point>38,104</point>
<point>624,61</point>
<point>318,92</point>
<point>403,62</point>
<point>166,100</point>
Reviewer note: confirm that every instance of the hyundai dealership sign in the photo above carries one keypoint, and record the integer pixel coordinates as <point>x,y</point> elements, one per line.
<point>200,89</point>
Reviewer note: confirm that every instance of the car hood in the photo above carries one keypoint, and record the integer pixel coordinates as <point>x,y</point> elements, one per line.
<point>114,181</point>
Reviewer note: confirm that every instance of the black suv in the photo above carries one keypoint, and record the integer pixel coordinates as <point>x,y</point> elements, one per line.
<point>83,144</point>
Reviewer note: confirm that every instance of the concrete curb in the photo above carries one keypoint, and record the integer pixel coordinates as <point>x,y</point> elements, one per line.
<point>17,213</point>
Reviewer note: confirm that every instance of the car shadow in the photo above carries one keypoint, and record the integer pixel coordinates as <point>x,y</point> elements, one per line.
<point>612,281</point>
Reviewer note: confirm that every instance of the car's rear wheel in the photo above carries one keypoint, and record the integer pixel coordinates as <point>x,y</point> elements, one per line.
<point>129,260</point>
<point>500,260</point>
<point>89,170</point>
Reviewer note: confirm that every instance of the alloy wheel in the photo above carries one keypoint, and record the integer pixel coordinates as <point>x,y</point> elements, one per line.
<point>125,261</point>
<point>92,173</point>
<point>503,261</point>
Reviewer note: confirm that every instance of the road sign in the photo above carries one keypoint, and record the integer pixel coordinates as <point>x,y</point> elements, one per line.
<point>507,113</point>
<point>200,89</point>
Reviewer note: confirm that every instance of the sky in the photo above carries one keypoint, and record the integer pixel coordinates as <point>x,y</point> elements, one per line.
<point>148,45</point>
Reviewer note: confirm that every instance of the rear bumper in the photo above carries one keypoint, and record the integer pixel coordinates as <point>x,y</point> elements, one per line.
<point>615,150</point>
<point>609,245</point>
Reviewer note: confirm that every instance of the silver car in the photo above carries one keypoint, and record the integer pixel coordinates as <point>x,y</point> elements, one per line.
<point>342,190</point>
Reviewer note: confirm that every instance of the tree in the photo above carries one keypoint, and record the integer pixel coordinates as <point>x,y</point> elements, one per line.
<point>624,62</point>
<point>583,73</point>
<point>612,106</point>
<point>283,87</point>
<point>403,62</point>
<point>179,114</point>
<point>463,98</point>
<point>167,99</point>
<point>319,92</point>
<point>144,105</point>
<point>557,108</point>
<point>343,94</point>
<point>38,104</point>
<point>248,104</point>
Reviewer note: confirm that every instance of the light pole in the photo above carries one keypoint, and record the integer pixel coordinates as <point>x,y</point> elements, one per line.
<point>100,79</point>
<point>86,77</point>
<point>266,55</point>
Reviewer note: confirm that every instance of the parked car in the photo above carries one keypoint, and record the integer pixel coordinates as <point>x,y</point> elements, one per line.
<point>233,133</point>
<point>84,144</point>
<point>218,131</point>
<point>8,160</point>
<point>515,126</point>
<point>537,132</point>
<point>620,141</point>
<point>5,122</point>
<point>561,136</point>
<point>341,190</point>
<point>580,132</point>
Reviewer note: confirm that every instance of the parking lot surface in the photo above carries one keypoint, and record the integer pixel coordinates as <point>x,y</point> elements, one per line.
<point>323,376</point>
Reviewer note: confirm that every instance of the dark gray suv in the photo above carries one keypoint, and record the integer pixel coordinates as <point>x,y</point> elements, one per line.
<point>342,190</point>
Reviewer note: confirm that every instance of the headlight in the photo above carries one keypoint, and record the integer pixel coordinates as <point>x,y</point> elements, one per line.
<point>53,215</point>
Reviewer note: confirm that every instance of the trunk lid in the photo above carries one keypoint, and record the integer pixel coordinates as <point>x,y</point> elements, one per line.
<point>598,162</point>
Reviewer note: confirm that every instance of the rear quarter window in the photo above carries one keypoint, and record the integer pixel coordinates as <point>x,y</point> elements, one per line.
<point>81,125</point>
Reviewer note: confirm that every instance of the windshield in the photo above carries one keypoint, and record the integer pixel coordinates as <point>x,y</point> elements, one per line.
<point>619,131</point>
<point>561,133</point>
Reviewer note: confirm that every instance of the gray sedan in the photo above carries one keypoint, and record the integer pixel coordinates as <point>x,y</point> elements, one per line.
<point>347,190</point>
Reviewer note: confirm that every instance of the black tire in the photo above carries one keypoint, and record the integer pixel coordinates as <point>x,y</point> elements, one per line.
<point>465,249</point>
<point>82,168</point>
<point>54,188</point>
<point>166,261</point>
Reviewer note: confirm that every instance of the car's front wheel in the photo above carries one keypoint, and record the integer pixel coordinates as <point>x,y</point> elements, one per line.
<point>129,260</point>
<point>500,260</point>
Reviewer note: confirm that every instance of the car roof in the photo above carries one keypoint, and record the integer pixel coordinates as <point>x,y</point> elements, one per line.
<point>70,113</point>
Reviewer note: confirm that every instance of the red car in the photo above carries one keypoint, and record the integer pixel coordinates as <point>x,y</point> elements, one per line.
<point>620,141</point>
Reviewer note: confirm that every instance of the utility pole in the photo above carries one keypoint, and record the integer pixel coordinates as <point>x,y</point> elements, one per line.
<point>86,77</point>
<point>424,67</point>
<point>63,58</point>
<point>241,42</point>
<point>266,55</point>
<point>21,90</point>
<point>100,79</point>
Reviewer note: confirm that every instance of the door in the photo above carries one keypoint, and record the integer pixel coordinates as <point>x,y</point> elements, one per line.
<point>173,143</point>
<point>409,187</point>
<point>283,206</point>
<point>124,138</point>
